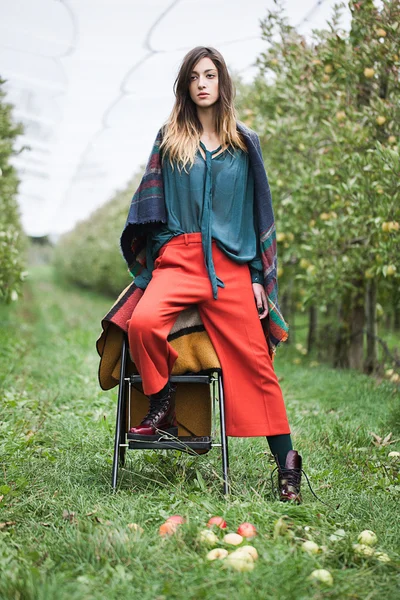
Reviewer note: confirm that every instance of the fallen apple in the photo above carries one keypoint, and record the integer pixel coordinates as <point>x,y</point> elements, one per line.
<point>337,535</point>
<point>382,556</point>
<point>217,554</point>
<point>167,528</point>
<point>247,530</point>
<point>322,575</point>
<point>363,549</point>
<point>367,537</point>
<point>208,537</point>
<point>239,561</point>
<point>176,519</point>
<point>234,539</point>
<point>218,521</point>
<point>310,547</point>
<point>248,550</point>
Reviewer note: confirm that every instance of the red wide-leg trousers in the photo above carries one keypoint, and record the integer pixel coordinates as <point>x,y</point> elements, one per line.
<point>253,396</point>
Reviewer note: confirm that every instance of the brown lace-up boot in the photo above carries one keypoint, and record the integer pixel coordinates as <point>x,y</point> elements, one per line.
<point>161,417</point>
<point>289,477</point>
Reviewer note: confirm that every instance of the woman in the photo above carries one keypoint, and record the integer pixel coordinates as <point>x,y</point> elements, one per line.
<point>202,209</point>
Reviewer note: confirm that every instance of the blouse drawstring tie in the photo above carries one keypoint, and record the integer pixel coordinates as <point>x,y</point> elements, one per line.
<point>205,223</point>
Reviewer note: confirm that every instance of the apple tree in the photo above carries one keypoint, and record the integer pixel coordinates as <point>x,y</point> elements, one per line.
<point>328,113</point>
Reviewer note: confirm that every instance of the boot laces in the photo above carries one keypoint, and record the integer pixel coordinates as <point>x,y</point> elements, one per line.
<point>159,405</point>
<point>294,475</point>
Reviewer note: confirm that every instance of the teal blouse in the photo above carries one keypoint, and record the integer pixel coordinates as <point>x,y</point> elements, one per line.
<point>216,198</point>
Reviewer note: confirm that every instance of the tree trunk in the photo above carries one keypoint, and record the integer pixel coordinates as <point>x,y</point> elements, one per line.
<point>340,353</point>
<point>356,346</point>
<point>396,308</point>
<point>330,309</point>
<point>349,344</point>
<point>312,328</point>
<point>371,359</point>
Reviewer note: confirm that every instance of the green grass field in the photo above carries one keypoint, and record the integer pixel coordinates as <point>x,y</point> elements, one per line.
<point>65,535</point>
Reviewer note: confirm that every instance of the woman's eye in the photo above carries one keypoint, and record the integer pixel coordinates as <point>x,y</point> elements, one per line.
<point>208,75</point>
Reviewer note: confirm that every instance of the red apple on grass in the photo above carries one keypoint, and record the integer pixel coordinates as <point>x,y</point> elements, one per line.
<point>247,530</point>
<point>176,519</point>
<point>168,528</point>
<point>218,521</point>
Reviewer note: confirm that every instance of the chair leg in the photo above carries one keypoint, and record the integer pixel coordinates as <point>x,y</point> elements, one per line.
<point>224,440</point>
<point>122,433</point>
<point>120,413</point>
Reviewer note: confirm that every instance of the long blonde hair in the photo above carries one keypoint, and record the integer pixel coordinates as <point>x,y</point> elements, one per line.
<point>182,130</point>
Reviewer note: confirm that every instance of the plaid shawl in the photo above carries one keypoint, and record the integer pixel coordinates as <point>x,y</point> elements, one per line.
<point>148,207</point>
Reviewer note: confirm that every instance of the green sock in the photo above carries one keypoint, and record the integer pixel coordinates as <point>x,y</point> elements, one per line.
<point>280,445</point>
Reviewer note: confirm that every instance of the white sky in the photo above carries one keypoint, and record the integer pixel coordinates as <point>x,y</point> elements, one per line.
<point>92,82</point>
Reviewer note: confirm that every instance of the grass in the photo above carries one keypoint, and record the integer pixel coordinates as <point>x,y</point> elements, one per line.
<point>65,535</point>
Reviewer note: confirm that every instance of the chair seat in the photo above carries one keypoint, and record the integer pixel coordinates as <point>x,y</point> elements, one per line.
<point>184,444</point>
<point>200,377</point>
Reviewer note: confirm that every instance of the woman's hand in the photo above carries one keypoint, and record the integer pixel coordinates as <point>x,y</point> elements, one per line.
<point>261,299</point>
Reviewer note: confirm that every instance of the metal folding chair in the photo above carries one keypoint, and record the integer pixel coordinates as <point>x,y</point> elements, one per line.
<point>182,443</point>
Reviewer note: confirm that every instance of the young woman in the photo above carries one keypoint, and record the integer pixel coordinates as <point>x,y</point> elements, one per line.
<point>205,208</point>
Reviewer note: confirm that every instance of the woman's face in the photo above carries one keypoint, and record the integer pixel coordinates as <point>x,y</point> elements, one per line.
<point>203,86</point>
